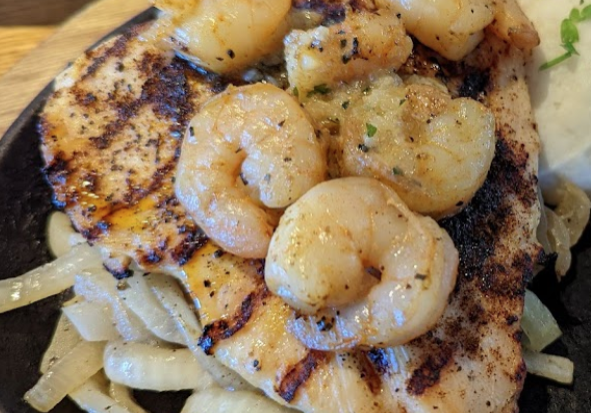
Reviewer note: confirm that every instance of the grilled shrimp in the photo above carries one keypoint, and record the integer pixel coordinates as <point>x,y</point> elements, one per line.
<point>433,150</point>
<point>369,270</point>
<point>248,152</point>
<point>511,24</point>
<point>451,27</point>
<point>363,43</point>
<point>224,35</point>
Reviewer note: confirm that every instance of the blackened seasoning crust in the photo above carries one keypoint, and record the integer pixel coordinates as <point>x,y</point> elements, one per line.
<point>429,371</point>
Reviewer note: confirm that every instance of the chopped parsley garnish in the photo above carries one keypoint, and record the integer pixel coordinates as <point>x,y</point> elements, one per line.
<point>402,102</point>
<point>320,90</point>
<point>296,92</point>
<point>569,34</point>
<point>371,130</point>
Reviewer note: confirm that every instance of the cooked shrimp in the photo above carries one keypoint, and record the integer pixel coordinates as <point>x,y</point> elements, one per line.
<point>511,24</point>
<point>224,35</point>
<point>433,150</point>
<point>248,150</point>
<point>363,43</point>
<point>350,247</point>
<point>451,27</point>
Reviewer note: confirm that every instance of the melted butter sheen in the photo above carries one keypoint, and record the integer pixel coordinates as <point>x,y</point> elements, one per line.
<point>561,96</point>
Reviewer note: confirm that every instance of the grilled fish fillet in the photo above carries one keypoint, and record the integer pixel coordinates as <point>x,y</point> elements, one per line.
<point>111,135</point>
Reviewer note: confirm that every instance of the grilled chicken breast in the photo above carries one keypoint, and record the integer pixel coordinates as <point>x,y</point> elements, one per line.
<point>111,135</point>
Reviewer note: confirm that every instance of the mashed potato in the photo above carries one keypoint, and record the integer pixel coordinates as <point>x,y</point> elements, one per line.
<point>561,95</point>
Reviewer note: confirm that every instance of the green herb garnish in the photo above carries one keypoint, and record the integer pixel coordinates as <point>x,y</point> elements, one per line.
<point>371,130</point>
<point>569,34</point>
<point>320,90</point>
<point>296,92</point>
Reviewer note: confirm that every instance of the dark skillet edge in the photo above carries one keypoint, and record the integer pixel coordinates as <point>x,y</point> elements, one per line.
<point>22,242</point>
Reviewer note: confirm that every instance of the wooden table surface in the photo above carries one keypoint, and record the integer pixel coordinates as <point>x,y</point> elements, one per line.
<point>38,38</point>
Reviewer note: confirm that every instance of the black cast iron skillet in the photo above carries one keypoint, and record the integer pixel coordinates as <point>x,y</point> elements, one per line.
<point>25,202</point>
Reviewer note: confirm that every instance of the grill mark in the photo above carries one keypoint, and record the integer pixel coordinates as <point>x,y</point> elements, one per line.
<point>428,373</point>
<point>220,330</point>
<point>118,49</point>
<point>298,374</point>
<point>194,241</point>
<point>128,109</point>
<point>170,96</point>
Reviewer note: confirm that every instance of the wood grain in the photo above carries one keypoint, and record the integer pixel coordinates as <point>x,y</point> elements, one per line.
<point>38,12</point>
<point>27,78</point>
<point>16,42</point>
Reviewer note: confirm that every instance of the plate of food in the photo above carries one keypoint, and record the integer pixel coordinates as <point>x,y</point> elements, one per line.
<point>319,206</point>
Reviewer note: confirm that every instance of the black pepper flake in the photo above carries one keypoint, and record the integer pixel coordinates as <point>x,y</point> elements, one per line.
<point>421,277</point>
<point>231,53</point>
<point>267,178</point>
<point>343,43</point>
<point>280,124</point>
<point>218,253</point>
<point>207,283</point>
<point>363,148</point>
<point>211,294</point>
<point>191,131</point>
<point>345,104</point>
<point>287,159</point>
